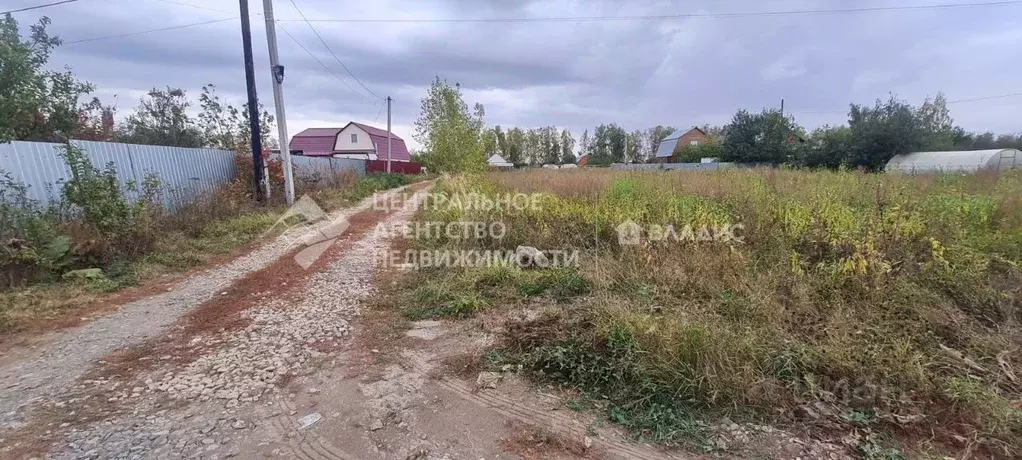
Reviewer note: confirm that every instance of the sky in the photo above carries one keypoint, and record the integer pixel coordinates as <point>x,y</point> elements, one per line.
<point>529,70</point>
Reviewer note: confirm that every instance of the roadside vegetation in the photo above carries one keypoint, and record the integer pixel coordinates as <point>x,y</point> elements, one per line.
<point>57,261</point>
<point>60,258</point>
<point>881,309</point>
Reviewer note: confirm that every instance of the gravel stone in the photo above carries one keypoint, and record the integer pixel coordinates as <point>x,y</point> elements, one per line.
<point>236,368</point>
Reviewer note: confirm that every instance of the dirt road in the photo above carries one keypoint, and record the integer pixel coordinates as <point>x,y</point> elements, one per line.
<point>263,359</point>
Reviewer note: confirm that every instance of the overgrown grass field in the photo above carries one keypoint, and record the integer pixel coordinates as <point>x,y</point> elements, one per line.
<point>884,307</point>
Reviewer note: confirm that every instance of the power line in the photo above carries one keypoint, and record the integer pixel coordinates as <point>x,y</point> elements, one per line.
<point>591,18</point>
<point>669,16</point>
<point>129,34</point>
<point>1002,96</point>
<point>28,8</point>
<point>199,7</point>
<point>379,112</point>
<point>313,56</point>
<point>330,50</point>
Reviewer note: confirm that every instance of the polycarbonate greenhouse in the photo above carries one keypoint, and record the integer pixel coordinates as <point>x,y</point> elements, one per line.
<point>961,161</point>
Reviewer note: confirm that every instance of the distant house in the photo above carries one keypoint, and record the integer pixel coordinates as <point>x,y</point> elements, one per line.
<point>497,161</point>
<point>668,146</point>
<point>355,140</point>
<point>582,160</point>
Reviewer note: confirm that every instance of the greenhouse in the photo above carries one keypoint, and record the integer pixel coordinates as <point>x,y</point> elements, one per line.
<point>961,161</point>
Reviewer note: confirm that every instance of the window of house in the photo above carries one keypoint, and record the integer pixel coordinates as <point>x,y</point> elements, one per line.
<point>693,143</point>
<point>354,138</point>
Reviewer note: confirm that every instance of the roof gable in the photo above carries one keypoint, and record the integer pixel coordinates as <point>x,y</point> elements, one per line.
<point>313,141</point>
<point>497,159</point>
<point>374,131</point>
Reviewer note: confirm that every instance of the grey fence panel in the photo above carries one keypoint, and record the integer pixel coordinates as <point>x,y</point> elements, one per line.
<point>339,164</point>
<point>183,172</point>
<point>325,167</point>
<point>690,166</point>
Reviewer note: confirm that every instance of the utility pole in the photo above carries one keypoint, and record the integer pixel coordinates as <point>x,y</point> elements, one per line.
<point>277,72</point>
<point>388,133</point>
<point>782,107</point>
<point>253,102</point>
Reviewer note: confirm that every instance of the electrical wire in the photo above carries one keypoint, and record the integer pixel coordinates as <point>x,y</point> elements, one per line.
<point>29,8</point>
<point>541,19</point>
<point>742,14</point>
<point>332,51</point>
<point>1002,96</point>
<point>379,112</point>
<point>200,7</point>
<point>313,56</point>
<point>129,34</point>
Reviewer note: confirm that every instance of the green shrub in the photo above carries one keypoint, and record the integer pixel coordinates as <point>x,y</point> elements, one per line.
<point>30,244</point>
<point>129,226</point>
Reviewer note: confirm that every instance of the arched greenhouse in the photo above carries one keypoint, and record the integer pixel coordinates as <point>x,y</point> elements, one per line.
<point>961,161</point>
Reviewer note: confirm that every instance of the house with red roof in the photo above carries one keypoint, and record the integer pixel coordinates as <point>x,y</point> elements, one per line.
<point>354,140</point>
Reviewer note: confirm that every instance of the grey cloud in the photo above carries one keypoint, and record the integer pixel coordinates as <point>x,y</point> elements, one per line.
<point>570,74</point>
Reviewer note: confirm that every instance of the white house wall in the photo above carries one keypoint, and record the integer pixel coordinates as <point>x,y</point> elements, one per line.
<point>344,144</point>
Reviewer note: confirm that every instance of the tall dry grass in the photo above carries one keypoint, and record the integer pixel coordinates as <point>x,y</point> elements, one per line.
<point>890,301</point>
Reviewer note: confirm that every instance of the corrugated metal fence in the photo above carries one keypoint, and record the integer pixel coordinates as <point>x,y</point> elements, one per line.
<point>399,167</point>
<point>691,166</point>
<point>183,172</point>
<point>324,168</point>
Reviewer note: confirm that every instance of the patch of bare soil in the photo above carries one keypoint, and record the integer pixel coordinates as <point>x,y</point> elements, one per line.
<point>535,443</point>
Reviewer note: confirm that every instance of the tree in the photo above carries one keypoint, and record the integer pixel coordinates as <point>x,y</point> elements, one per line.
<point>218,121</point>
<point>532,148</point>
<point>636,147</point>
<point>652,139</point>
<point>608,145</point>
<point>448,132</point>
<point>567,148</point>
<point>515,147</point>
<point>489,140</point>
<point>766,137</point>
<point>827,147</point>
<point>95,122</point>
<point>265,128</point>
<point>35,103</point>
<point>551,145</point>
<point>882,131</point>
<point>585,143</point>
<point>936,127</point>
<point>162,119</point>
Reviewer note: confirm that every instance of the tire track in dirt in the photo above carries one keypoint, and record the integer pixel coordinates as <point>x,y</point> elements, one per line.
<point>84,405</point>
<point>54,365</point>
<point>555,421</point>
<point>307,445</point>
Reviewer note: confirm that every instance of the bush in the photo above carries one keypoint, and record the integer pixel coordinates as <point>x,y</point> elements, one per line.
<point>127,226</point>
<point>94,223</point>
<point>694,153</point>
<point>31,244</point>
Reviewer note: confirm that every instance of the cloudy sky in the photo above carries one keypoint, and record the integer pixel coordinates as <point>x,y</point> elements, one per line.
<point>534,71</point>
